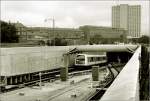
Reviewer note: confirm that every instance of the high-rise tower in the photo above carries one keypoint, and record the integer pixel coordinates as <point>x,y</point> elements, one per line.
<point>127,17</point>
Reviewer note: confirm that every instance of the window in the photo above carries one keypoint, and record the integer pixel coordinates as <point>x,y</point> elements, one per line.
<point>80,59</point>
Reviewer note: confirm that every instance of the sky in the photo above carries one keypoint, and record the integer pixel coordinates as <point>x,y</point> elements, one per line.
<point>68,14</point>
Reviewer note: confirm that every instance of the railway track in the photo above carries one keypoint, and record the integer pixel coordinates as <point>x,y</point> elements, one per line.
<point>100,91</point>
<point>55,76</point>
<point>71,87</point>
<point>65,90</point>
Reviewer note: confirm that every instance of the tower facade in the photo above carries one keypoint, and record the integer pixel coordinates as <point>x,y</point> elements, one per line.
<point>127,17</point>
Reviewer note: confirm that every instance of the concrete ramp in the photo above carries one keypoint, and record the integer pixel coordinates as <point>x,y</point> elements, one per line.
<point>126,85</point>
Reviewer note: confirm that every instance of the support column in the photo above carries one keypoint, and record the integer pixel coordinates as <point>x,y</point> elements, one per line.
<point>16,80</point>
<point>6,81</point>
<point>64,69</point>
<point>25,78</point>
<point>95,73</point>
<point>11,81</point>
<point>29,77</point>
<point>20,78</point>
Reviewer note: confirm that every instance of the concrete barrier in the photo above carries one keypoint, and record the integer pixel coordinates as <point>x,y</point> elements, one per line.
<point>126,85</point>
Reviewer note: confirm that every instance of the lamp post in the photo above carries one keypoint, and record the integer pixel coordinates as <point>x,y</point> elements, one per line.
<point>40,83</point>
<point>53,20</point>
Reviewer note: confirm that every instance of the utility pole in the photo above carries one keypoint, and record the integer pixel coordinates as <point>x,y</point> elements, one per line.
<point>53,20</point>
<point>54,30</point>
<point>40,83</point>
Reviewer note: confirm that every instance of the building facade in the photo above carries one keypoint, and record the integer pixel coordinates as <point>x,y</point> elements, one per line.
<point>127,17</point>
<point>100,35</point>
<point>35,34</point>
<point>72,36</point>
<point>78,36</point>
<point>21,31</point>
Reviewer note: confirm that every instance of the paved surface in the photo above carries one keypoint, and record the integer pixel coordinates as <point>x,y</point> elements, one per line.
<point>77,88</point>
<point>51,91</point>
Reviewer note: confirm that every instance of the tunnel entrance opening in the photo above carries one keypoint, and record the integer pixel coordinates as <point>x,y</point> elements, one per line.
<point>118,57</point>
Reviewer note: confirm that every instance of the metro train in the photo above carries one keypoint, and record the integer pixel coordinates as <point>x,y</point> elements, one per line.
<point>89,60</point>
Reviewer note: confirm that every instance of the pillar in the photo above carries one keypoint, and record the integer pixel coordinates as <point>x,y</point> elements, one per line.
<point>25,78</point>
<point>6,81</point>
<point>29,77</point>
<point>16,80</point>
<point>64,68</point>
<point>11,80</point>
<point>95,73</point>
<point>21,78</point>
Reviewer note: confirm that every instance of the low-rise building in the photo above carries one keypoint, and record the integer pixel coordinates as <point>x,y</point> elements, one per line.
<point>34,34</point>
<point>99,34</point>
<point>81,35</point>
<point>21,31</point>
<point>72,36</point>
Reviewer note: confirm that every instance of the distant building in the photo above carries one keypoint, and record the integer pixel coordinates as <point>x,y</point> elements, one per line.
<point>72,36</point>
<point>34,34</point>
<point>104,34</point>
<point>21,31</point>
<point>79,36</point>
<point>127,17</point>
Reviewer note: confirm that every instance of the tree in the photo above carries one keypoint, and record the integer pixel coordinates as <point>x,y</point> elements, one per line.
<point>144,39</point>
<point>8,33</point>
<point>96,39</point>
<point>60,42</point>
<point>57,42</point>
<point>85,30</point>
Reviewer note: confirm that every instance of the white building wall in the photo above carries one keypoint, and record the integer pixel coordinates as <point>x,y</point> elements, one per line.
<point>123,16</point>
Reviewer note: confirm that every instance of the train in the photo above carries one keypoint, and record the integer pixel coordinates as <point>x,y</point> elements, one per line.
<point>89,60</point>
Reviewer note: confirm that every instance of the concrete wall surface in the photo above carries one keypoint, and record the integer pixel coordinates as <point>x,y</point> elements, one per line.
<point>21,60</point>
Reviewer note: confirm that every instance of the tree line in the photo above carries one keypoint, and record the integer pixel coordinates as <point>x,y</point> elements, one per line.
<point>8,33</point>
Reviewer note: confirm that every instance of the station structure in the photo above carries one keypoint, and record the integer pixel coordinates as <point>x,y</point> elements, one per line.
<point>130,82</point>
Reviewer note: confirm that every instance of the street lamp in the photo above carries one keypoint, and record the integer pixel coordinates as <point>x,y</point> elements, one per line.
<point>53,20</point>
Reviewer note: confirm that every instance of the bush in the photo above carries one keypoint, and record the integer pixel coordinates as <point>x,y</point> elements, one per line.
<point>57,42</point>
<point>144,39</point>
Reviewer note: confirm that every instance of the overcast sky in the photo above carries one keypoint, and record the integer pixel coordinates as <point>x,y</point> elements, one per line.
<point>70,14</point>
